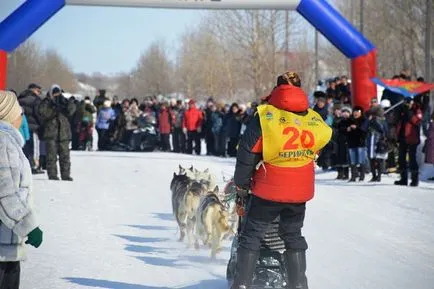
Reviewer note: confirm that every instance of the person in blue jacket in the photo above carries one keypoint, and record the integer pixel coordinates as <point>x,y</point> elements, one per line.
<point>24,129</point>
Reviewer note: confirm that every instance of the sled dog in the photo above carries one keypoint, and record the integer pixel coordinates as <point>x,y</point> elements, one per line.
<point>212,222</point>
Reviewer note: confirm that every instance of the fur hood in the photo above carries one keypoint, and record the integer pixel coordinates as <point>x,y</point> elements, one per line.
<point>7,128</point>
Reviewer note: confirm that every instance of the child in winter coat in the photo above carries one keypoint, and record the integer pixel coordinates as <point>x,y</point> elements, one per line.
<point>377,143</point>
<point>17,218</point>
<point>105,117</point>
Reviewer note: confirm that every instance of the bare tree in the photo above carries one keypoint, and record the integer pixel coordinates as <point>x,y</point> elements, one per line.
<point>24,66</point>
<point>55,69</point>
<point>154,72</point>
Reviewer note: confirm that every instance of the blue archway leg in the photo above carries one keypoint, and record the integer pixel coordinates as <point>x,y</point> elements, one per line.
<point>25,20</point>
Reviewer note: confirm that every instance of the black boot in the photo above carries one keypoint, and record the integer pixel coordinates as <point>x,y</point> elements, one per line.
<point>404,179</point>
<point>380,170</point>
<point>245,268</point>
<point>374,171</point>
<point>362,173</point>
<point>354,174</point>
<point>414,179</point>
<point>340,173</point>
<point>346,173</point>
<point>295,262</point>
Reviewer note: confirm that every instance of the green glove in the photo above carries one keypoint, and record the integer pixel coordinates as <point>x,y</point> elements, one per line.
<point>35,238</point>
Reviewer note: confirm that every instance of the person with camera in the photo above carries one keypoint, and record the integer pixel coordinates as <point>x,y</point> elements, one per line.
<point>408,132</point>
<point>275,167</point>
<point>55,111</point>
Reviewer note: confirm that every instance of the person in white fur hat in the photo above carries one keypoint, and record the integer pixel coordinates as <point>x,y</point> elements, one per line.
<point>17,217</point>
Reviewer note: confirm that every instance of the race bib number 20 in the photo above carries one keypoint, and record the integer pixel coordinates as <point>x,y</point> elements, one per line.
<point>299,144</point>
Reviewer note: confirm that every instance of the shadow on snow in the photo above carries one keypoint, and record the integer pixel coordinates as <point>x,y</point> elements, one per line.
<point>96,283</point>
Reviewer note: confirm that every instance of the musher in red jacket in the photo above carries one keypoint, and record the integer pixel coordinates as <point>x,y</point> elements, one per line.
<point>275,164</point>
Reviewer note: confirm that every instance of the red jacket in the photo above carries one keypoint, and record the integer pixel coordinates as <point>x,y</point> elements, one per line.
<point>410,121</point>
<point>278,184</point>
<point>165,120</point>
<point>192,119</point>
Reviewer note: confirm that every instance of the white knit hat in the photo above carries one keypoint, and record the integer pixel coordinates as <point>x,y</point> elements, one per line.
<point>10,109</point>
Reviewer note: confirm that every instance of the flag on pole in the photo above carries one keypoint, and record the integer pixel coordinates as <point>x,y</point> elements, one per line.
<point>405,88</point>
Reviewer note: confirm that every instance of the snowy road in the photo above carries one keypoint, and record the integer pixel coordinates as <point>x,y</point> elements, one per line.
<point>113,228</point>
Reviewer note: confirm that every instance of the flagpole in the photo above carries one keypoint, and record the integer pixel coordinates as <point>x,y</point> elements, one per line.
<point>393,107</point>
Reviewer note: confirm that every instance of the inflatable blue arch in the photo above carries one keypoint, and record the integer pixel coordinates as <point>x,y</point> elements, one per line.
<point>32,14</point>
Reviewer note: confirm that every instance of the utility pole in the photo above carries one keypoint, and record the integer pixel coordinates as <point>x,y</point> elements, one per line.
<point>362,6</point>
<point>316,55</point>
<point>286,39</point>
<point>428,41</point>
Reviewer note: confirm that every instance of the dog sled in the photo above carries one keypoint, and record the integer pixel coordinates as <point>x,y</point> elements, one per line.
<point>270,269</point>
<point>144,139</point>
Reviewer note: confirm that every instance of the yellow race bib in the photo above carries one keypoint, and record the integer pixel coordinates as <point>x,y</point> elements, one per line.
<point>289,139</point>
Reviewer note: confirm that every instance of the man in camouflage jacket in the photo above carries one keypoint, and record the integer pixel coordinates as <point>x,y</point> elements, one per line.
<point>55,111</point>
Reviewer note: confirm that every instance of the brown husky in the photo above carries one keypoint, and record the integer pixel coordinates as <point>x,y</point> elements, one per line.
<point>212,222</point>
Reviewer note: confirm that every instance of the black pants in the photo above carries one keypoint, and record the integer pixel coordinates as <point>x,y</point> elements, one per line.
<point>75,137</point>
<point>102,139</point>
<point>232,146</point>
<point>411,150</point>
<point>9,275</point>
<point>178,140</point>
<point>210,143</point>
<point>219,147</point>
<point>165,142</point>
<point>261,213</point>
<point>29,151</point>
<point>391,160</point>
<point>193,137</point>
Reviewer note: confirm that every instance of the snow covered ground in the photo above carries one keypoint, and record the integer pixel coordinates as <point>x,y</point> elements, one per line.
<point>113,228</point>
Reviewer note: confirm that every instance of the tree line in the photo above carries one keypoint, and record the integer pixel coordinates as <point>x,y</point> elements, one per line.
<point>236,55</point>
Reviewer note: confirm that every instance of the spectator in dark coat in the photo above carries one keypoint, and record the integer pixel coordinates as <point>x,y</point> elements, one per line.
<point>408,132</point>
<point>341,157</point>
<point>324,160</point>
<point>55,111</point>
<point>29,100</point>
<point>99,100</point>
<point>321,108</point>
<point>233,129</point>
<point>216,128</point>
<point>356,136</point>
